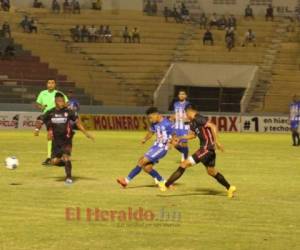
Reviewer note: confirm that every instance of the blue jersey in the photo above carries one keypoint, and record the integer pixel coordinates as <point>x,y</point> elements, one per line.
<point>164,131</point>
<point>180,115</point>
<point>74,104</point>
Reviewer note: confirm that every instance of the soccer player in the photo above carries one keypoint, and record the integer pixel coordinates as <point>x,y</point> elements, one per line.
<point>207,134</point>
<point>294,120</point>
<point>163,128</point>
<point>181,123</point>
<point>58,123</point>
<point>73,103</point>
<point>45,102</point>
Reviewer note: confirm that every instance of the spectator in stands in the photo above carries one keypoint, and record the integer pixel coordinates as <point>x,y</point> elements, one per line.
<point>208,37</point>
<point>55,6</point>
<point>249,12</point>
<point>232,21</point>
<point>203,21</point>
<point>184,12</point>
<point>177,16</point>
<point>107,34</point>
<point>9,51</point>
<point>166,14</point>
<point>37,4</point>
<point>136,37</point>
<point>67,8</point>
<point>126,35</point>
<point>5,5</point>
<point>100,33</point>
<point>154,7</point>
<point>230,38</point>
<point>147,7</point>
<point>213,21</point>
<point>76,7</point>
<point>222,22</point>
<point>249,38</point>
<point>6,30</point>
<point>97,5</point>
<point>33,26</point>
<point>92,33</point>
<point>76,33</point>
<point>84,34</point>
<point>270,13</point>
<point>25,24</point>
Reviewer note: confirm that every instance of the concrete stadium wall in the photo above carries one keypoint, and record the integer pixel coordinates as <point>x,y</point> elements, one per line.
<point>106,4</point>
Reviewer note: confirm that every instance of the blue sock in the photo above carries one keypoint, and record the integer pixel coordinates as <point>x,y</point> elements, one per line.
<point>156,175</point>
<point>184,151</point>
<point>134,172</point>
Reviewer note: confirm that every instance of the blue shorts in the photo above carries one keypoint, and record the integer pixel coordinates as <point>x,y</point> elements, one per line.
<point>182,132</point>
<point>294,124</point>
<point>156,153</point>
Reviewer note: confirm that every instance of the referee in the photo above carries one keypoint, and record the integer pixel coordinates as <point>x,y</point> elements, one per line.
<point>45,102</point>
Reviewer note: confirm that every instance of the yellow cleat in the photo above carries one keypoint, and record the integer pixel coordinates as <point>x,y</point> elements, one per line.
<point>162,186</point>
<point>230,192</point>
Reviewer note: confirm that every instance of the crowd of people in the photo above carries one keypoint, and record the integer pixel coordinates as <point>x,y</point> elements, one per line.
<point>180,15</point>
<point>69,7</point>
<point>103,33</point>
<point>29,25</point>
<point>92,33</point>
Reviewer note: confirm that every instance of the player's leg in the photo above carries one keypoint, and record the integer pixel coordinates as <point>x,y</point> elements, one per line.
<point>295,136</point>
<point>47,162</point>
<point>182,147</point>
<point>153,155</point>
<point>209,161</point>
<point>68,168</point>
<point>148,168</point>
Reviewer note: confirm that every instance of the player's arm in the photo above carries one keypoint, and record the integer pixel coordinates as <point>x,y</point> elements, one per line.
<point>214,131</point>
<point>83,130</point>
<point>39,103</point>
<point>39,123</point>
<point>148,136</point>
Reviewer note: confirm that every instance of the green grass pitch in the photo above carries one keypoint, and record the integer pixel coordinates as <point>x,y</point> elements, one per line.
<point>264,215</point>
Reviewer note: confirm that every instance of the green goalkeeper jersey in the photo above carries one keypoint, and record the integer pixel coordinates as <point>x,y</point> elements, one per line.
<point>47,99</point>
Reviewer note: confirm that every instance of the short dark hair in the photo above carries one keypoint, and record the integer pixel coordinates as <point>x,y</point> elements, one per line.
<point>182,90</point>
<point>59,94</point>
<point>151,110</point>
<point>190,107</point>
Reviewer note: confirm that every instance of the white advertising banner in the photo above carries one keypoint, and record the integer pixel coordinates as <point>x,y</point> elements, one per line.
<point>225,123</point>
<point>265,124</point>
<point>18,120</point>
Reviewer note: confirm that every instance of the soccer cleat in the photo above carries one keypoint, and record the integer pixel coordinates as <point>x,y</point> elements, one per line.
<point>122,181</point>
<point>68,181</point>
<point>162,186</point>
<point>230,192</point>
<point>47,162</point>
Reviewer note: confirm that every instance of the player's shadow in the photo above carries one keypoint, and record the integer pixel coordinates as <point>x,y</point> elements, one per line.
<point>75,178</point>
<point>199,192</point>
<point>149,186</point>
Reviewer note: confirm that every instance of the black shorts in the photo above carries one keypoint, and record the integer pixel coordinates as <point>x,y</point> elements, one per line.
<point>206,157</point>
<point>61,147</point>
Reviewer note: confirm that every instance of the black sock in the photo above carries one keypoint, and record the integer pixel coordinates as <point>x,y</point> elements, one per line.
<point>175,176</point>
<point>297,137</point>
<point>294,138</point>
<point>220,178</point>
<point>68,169</point>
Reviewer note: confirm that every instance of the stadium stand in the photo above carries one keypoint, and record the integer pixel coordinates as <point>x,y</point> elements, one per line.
<point>127,73</point>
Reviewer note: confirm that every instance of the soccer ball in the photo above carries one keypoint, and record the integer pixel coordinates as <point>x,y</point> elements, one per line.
<point>11,162</point>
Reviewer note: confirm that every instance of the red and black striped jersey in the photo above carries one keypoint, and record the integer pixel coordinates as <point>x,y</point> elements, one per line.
<point>204,133</point>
